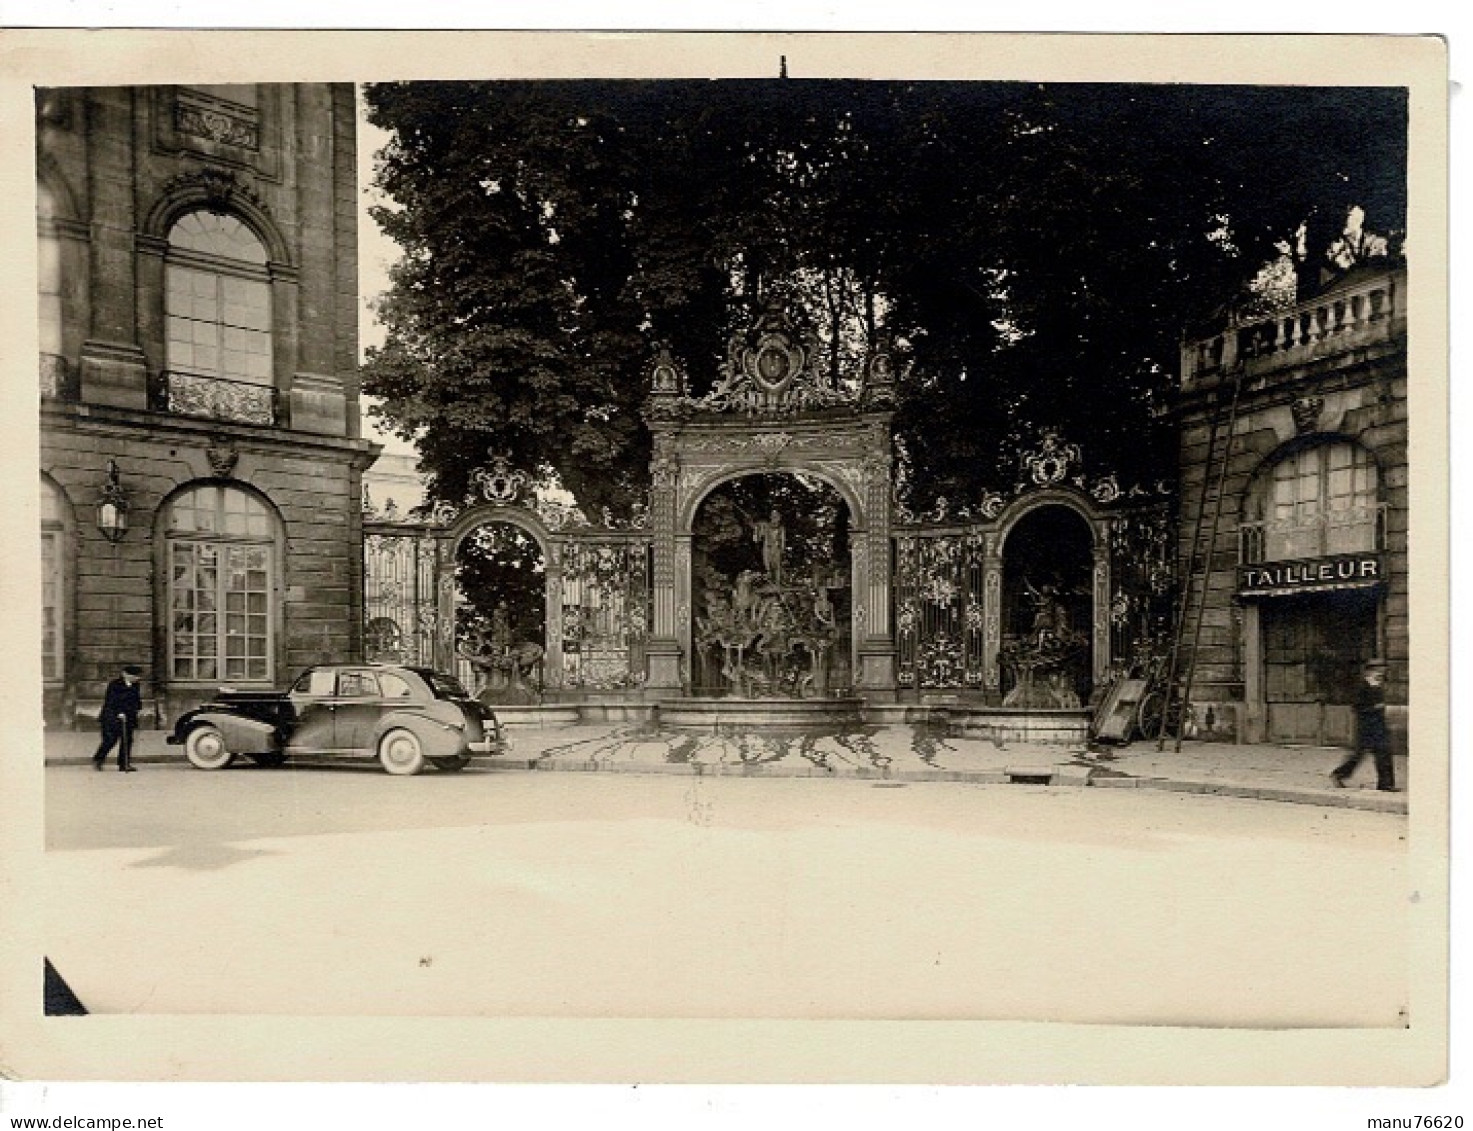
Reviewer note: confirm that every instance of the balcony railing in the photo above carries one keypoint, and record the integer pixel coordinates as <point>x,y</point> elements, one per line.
<point>218,398</point>
<point>1334,323</point>
<point>1353,530</point>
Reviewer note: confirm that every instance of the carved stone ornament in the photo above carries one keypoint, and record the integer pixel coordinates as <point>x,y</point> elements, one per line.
<point>1052,461</point>
<point>879,379</point>
<point>769,369</point>
<point>992,504</point>
<point>223,457</point>
<point>665,376</point>
<point>216,124</point>
<point>1106,490</point>
<point>499,483</point>
<point>219,187</point>
<point>1306,412</point>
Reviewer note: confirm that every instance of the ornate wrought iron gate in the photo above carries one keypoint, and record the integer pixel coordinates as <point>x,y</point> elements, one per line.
<point>940,613</point>
<point>598,592</point>
<point>605,612</point>
<point>401,570</point>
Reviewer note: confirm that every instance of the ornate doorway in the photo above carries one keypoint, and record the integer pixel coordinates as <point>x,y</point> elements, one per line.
<point>770,589</point>
<point>772,413</point>
<point>1047,605</point>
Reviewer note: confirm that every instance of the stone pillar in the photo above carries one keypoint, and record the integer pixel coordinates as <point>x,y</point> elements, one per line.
<point>1253,727</point>
<point>552,661</point>
<point>1100,616</point>
<point>114,367</point>
<point>876,676</point>
<point>664,651</point>
<point>992,619</point>
<point>683,592</point>
<point>445,606</point>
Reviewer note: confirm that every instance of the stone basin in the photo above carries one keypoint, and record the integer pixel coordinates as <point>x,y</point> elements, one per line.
<point>702,713</point>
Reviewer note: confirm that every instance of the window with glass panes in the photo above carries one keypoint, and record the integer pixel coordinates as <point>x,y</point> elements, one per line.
<point>1322,500</point>
<point>52,558</point>
<point>218,301</point>
<point>221,584</point>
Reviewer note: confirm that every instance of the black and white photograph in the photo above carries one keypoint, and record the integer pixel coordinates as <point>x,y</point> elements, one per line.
<point>730,558</point>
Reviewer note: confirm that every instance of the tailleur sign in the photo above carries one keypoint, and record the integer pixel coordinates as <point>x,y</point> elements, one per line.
<point>1277,579</point>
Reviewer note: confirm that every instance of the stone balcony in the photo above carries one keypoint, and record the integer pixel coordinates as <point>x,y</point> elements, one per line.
<point>1351,316</point>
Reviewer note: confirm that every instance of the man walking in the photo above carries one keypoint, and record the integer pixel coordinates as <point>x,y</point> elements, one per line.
<point>1370,730</point>
<point>119,718</point>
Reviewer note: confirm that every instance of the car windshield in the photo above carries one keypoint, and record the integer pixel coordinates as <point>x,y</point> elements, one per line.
<point>444,686</point>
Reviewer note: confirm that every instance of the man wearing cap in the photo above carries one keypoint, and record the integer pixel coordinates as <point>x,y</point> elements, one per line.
<point>1370,730</point>
<point>119,718</point>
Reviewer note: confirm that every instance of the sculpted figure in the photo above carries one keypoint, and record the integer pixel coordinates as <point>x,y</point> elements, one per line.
<point>773,539</point>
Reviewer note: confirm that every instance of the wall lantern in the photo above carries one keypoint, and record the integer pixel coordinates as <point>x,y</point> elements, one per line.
<point>112,508</point>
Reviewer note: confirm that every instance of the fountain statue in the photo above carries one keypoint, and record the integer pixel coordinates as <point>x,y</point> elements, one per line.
<point>1042,660</point>
<point>772,636</point>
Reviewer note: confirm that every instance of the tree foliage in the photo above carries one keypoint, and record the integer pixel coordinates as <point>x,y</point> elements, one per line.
<point>1035,252</point>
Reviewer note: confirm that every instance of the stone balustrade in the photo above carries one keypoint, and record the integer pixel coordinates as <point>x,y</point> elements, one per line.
<point>1330,325</point>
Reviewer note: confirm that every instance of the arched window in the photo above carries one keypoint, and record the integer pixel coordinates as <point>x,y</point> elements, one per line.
<point>53,582</point>
<point>1318,501</point>
<point>222,585</point>
<point>218,309</point>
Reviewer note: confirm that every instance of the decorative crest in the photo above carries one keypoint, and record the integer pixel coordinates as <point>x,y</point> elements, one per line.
<point>769,369</point>
<point>499,483</point>
<point>1051,463</point>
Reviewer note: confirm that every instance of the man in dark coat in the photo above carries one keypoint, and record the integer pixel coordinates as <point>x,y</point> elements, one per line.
<point>119,718</point>
<point>1370,730</point>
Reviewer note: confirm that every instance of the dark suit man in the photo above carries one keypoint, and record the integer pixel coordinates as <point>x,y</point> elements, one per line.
<point>119,718</point>
<point>1370,730</point>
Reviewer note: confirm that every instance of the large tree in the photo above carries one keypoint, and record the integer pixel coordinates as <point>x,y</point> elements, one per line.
<point>1035,252</point>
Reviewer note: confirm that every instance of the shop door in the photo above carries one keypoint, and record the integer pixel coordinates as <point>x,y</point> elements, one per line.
<point>1313,649</point>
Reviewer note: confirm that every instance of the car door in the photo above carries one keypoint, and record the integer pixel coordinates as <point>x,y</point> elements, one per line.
<point>314,703</point>
<point>359,704</point>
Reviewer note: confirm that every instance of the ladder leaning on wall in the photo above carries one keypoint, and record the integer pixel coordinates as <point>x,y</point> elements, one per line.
<point>1197,580</point>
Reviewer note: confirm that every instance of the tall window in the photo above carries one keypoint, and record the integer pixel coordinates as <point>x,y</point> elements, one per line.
<point>221,584</point>
<point>219,320</point>
<point>53,558</point>
<point>1319,501</point>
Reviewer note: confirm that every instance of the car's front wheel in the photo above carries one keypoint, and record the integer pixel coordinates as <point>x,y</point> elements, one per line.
<point>454,762</point>
<point>206,750</point>
<point>399,752</point>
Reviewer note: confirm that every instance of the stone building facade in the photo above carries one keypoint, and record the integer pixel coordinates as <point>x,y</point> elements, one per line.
<point>1307,576</point>
<point>201,464</point>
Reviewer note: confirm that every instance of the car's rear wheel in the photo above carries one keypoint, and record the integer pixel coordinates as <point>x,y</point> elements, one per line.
<point>206,750</point>
<point>273,759</point>
<point>399,752</point>
<point>455,762</point>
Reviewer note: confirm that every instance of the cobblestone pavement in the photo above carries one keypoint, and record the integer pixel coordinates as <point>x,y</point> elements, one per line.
<point>904,753</point>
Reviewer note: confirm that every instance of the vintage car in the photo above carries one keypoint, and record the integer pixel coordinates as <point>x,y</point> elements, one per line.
<point>403,716</point>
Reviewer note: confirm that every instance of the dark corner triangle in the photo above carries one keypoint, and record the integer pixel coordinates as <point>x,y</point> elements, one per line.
<point>60,1001</point>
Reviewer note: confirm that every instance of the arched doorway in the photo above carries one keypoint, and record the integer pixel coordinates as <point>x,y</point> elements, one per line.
<point>1311,614</point>
<point>1047,654</point>
<point>500,612</point>
<point>770,588</point>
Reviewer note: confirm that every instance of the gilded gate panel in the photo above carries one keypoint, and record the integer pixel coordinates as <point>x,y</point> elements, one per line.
<point>400,595</point>
<point>606,613</point>
<point>940,613</point>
